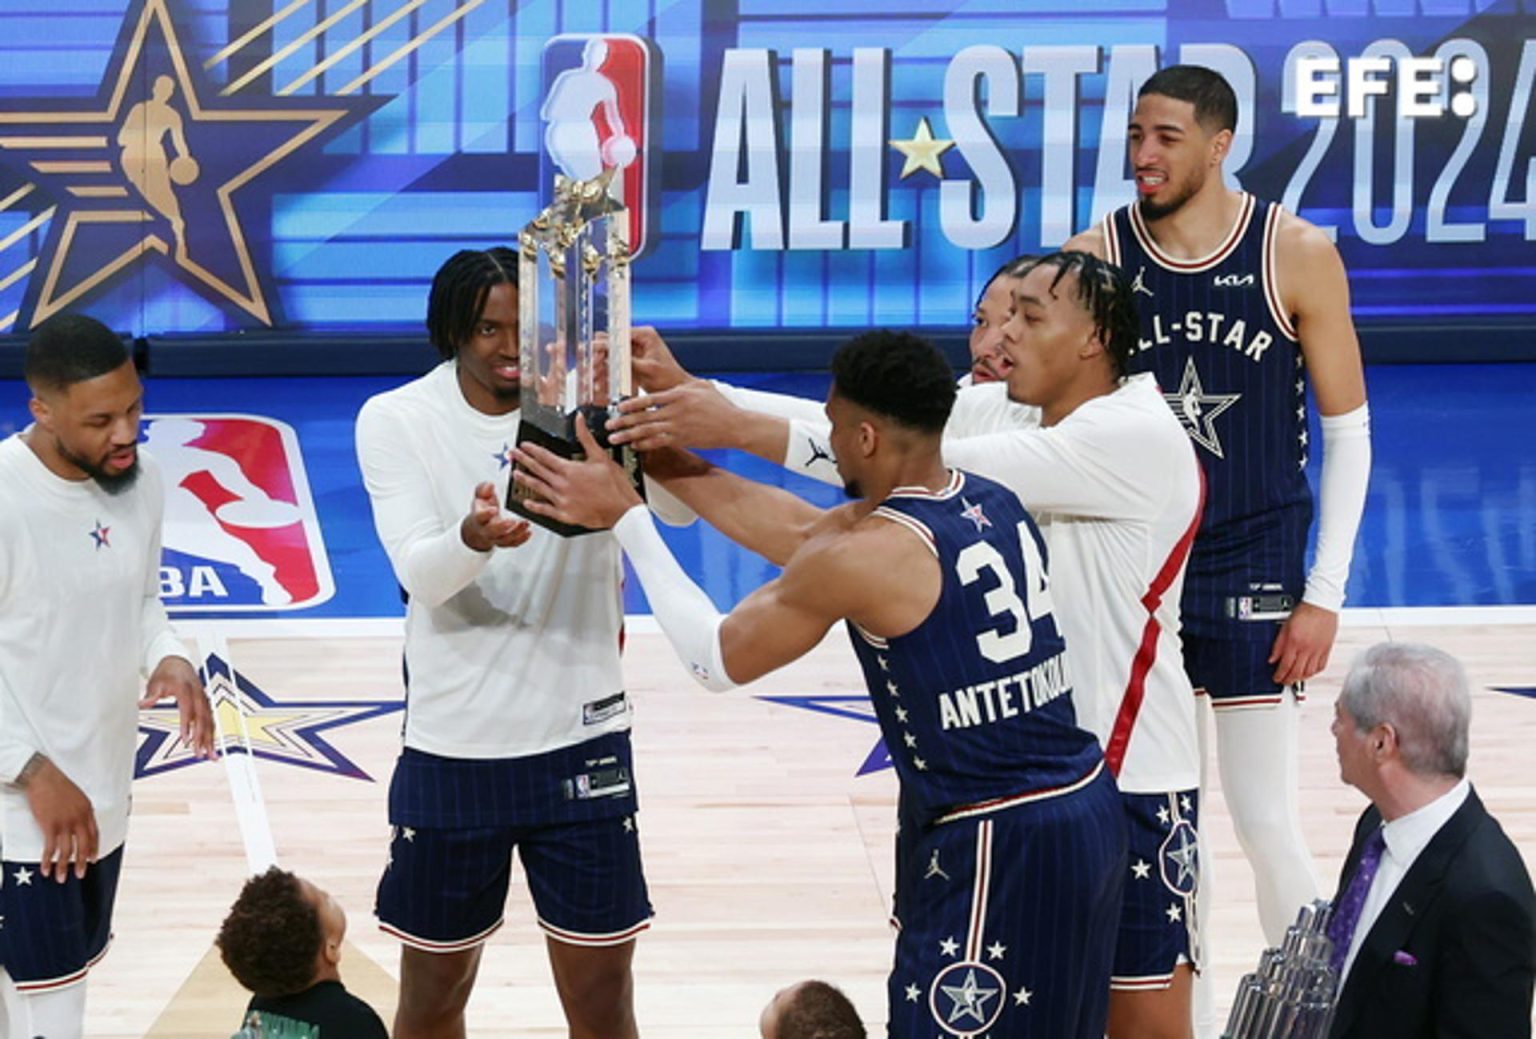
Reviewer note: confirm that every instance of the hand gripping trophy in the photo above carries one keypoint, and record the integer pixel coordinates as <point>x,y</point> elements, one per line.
<point>574,325</point>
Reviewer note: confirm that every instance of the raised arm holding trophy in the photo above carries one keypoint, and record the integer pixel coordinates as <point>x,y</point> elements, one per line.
<point>574,320</point>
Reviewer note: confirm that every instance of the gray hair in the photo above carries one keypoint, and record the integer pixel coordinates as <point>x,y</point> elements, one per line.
<point>1422,693</point>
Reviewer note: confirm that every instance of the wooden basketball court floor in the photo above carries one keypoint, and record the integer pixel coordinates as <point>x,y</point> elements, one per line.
<point>768,854</point>
<point>769,860</point>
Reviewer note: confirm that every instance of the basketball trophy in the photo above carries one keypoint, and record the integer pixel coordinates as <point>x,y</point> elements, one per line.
<point>573,315</point>
<point>1293,993</point>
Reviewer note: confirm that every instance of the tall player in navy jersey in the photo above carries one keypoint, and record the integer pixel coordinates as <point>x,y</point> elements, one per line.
<point>1241,305</point>
<point>1012,882</point>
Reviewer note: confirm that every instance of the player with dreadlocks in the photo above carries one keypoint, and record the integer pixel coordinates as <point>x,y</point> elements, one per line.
<point>518,729</point>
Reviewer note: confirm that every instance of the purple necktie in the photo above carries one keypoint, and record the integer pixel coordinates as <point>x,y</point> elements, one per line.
<point>1346,912</point>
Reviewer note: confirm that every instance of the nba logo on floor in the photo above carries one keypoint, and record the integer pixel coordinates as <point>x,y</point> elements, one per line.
<point>599,90</point>
<point>241,533</point>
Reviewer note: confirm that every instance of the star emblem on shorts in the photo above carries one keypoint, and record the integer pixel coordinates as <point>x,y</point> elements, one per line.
<point>914,993</point>
<point>974,514</point>
<point>1185,806</point>
<point>909,739</point>
<point>884,664</point>
<point>1162,814</point>
<point>996,950</point>
<point>948,947</point>
<point>23,876</point>
<point>1141,869</point>
<point>901,715</point>
<point>1022,997</point>
<point>1175,914</point>
<point>920,764</point>
<point>101,535</point>
<point>1197,410</point>
<point>969,997</point>
<point>629,824</point>
<point>890,687</point>
<point>409,834</point>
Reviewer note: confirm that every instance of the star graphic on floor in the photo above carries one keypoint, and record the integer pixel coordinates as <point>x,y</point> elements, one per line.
<point>286,731</point>
<point>856,708</point>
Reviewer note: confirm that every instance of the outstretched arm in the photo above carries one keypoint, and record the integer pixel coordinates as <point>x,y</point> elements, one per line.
<point>778,623</point>
<point>1317,292</point>
<point>595,493</point>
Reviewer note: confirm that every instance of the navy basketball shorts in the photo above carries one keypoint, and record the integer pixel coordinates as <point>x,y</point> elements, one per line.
<point>570,816</point>
<point>51,934</point>
<point>1235,672</point>
<point>445,890</point>
<point>1158,929</point>
<point>1008,921</point>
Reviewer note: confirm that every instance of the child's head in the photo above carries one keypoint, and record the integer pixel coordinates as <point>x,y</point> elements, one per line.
<point>282,935</point>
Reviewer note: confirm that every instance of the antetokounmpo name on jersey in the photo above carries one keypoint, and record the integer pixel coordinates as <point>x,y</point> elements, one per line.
<point>1003,698</point>
<point>1205,326</point>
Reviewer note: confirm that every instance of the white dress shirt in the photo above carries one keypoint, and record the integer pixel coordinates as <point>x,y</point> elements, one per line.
<point>1405,838</point>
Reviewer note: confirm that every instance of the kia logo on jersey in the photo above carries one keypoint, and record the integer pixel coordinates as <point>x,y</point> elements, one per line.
<point>241,532</point>
<point>599,92</point>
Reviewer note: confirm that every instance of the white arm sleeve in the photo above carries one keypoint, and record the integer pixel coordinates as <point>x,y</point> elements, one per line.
<point>1341,501</point>
<point>686,615</point>
<point>429,558</point>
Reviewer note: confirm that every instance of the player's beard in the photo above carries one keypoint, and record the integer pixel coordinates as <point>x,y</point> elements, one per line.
<point>113,482</point>
<point>1189,189</point>
<point>852,489</point>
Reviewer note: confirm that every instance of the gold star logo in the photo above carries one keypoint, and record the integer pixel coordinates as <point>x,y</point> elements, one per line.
<point>150,168</point>
<point>922,150</point>
<point>252,722</point>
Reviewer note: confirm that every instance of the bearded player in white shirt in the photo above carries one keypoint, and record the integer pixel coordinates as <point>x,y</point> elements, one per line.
<point>81,625</point>
<point>517,723</point>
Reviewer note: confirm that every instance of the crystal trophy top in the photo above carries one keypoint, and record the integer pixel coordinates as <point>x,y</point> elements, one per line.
<point>573,316</point>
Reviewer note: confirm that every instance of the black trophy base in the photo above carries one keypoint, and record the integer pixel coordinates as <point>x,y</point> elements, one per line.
<point>567,446</point>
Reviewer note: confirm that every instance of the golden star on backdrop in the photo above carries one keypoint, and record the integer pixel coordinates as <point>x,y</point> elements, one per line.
<point>922,150</point>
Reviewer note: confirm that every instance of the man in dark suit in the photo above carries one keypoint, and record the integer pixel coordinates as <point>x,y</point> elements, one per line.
<point>1435,921</point>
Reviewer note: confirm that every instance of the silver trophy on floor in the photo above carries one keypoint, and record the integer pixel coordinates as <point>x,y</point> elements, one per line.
<point>1293,993</point>
<point>573,303</point>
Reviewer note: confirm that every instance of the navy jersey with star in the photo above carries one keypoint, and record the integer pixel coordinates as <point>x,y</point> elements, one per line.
<point>1226,356</point>
<point>976,702</point>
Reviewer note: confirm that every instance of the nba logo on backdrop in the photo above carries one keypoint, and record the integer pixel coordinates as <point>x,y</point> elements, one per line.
<point>241,531</point>
<point>599,91</point>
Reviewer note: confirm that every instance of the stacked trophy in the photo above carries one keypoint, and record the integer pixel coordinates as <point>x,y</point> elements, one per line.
<point>1292,994</point>
<point>573,313</point>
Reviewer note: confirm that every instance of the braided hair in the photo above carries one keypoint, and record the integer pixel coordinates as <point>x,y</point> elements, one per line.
<point>459,292</point>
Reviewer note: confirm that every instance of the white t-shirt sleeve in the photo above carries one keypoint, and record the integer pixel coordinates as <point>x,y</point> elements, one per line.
<point>156,637</point>
<point>429,558</point>
<point>1093,464</point>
